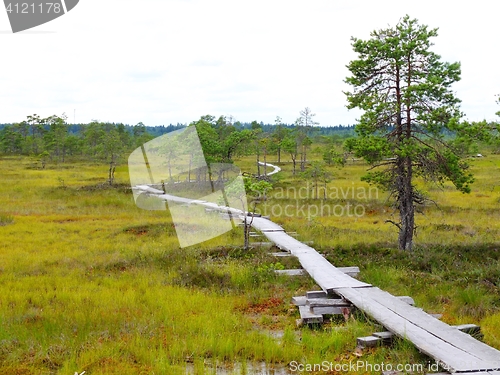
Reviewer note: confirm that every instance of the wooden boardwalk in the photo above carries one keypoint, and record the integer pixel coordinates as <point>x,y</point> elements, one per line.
<point>452,349</point>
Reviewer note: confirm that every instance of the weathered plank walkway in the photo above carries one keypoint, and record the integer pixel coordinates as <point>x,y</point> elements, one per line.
<point>454,350</point>
<point>276,169</point>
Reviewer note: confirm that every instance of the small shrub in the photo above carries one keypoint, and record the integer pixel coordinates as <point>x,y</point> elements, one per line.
<point>152,230</point>
<point>474,302</point>
<point>449,227</point>
<point>6,219</point>
<point>202,276</point>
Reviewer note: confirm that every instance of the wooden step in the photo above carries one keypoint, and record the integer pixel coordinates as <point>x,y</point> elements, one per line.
<point>437,316</point>
<point>368,341</point>
<point>281,254</point>
<point>316,294</point>
<point>331,310</point>
<point>385,336</point>
<point>298,272</point>
<point>407,299</point>
<point>376,339</point>
<point>470,329</point>
<point>328,302</point>
<point>262,244</point>
<point>350,271</point>
<point>309,317</point>
<point>299,300</point>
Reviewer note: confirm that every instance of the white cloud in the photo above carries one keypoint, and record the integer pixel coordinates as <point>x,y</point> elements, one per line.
<point>172,61</point>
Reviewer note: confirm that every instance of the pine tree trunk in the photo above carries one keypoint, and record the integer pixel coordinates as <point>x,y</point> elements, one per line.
<point>303,159</point>
<point>265,162</point>
<point>258,165</point>
<point>406,206</point>
<point>247,234</point>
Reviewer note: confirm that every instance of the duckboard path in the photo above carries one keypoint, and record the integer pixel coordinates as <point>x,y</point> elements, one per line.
<point>455,351</point>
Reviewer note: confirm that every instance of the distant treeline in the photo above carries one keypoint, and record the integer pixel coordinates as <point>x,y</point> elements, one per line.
<point>341,130</point>
<point>53,139</point>
<point>153,130</point>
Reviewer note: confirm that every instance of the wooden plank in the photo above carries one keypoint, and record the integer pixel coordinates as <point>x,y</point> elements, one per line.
<point>368,341</point>
<point>329,310</point>
<point>436,316</point>
<point>148,189</point>
<point>323,272</point>
<point>276,169</point>
<point>299,300</point>
<point>263,224</point>
<point>337,302</point>
<point>298,272</point>
<point>454,358</point>
<point>470,329</point>
<point>350,271</point>
<point>385,336</point>
<point>316,294</point>
<point>262,244</point>
<point>347,270</point>
<point>309,317</point>
<point>173,198</point>
<point>407,299</point>
<point>442,330</point>
<point>281,254</point>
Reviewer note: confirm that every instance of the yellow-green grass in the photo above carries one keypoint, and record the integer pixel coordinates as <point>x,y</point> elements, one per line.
<point>88,281</point>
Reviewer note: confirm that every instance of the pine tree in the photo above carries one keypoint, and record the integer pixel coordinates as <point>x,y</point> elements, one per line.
<point>405,93</point>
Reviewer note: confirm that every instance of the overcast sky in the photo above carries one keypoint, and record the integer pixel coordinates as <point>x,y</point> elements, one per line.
<point>170,61</point>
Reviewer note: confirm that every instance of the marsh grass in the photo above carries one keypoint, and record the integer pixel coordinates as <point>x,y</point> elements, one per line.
<point>89,282</point>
